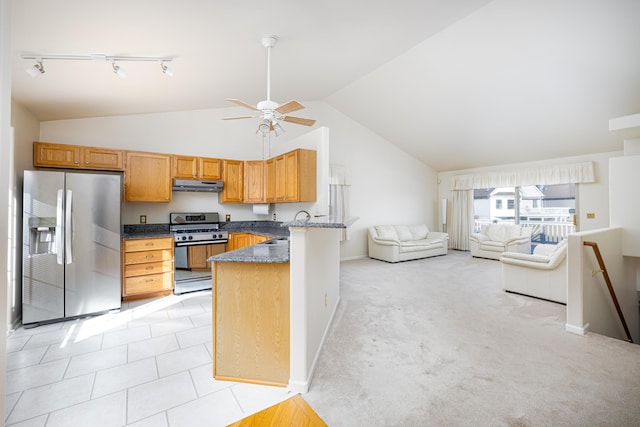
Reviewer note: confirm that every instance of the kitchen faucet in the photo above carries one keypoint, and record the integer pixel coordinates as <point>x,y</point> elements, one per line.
<point>308,216</point>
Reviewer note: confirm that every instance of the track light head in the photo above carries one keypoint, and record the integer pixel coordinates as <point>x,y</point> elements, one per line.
<point>118,70</point>
<point>165,69</point>
<point>35,70</point>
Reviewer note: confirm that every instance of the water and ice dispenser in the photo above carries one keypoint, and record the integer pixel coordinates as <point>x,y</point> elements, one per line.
<point>42,236</point>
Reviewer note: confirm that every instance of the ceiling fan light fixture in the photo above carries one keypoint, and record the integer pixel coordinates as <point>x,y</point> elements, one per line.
<point>118,70</point>
<point>264,128</point>
<point>278,129</point>
<point>36,70</point>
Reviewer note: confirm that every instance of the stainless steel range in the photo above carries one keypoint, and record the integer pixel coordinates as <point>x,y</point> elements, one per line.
<point>196,237</point>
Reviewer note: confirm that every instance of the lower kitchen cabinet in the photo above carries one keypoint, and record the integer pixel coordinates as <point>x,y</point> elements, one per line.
<point>197,255</point>
<point>147,267</point>
<point>241,240</point>
<point>251,322</point>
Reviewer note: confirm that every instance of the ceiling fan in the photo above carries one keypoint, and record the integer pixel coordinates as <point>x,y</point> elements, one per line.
<point>272,113</point>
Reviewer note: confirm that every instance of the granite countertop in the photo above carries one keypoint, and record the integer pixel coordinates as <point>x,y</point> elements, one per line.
<point>142,231</point>
<point>271,251</point>
<point>322,222</point>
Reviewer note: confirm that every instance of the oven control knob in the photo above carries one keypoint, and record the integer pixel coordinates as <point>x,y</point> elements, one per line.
<point>190,237</point>
<point>184,237</point>
<point>220,236</point>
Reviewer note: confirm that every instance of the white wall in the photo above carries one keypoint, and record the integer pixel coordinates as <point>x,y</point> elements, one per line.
<point>388,185</point>
<point>590,198</point>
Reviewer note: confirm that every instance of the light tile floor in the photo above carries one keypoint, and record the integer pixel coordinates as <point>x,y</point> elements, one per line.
<point>148,365</point>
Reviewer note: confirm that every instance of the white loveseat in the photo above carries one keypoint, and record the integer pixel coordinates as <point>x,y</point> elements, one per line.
<point>393,243</point>
<point>495,239</point>
<point>542,274</point>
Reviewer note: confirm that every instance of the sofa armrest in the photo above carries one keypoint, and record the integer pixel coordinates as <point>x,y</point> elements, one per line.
<point>513,257</point>
<point>517,240</point>
<point>385,242</point>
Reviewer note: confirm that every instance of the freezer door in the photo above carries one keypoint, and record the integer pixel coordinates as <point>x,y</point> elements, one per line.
<point>42,250</point>
<point>92,258</point>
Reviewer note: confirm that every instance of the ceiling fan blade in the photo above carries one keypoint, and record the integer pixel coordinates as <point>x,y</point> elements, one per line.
<point>299,120</point>
<point>236,118</point>
<point>289,107</point>
<point>242,104</point>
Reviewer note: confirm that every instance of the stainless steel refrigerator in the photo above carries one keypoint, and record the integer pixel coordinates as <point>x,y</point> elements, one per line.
<point>71,245</point>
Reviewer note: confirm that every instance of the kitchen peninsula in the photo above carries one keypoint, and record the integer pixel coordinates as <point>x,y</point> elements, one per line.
<point>273,303</point>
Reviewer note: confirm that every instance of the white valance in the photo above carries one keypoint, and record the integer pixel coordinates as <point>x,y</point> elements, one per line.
<point>543,175</point>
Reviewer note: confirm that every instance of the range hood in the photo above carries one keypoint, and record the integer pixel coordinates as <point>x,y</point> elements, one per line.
<point>197,185</point>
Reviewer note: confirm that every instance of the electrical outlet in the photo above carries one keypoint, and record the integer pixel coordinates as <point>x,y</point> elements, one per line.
<point>591,215</point>
<point>143,219</point>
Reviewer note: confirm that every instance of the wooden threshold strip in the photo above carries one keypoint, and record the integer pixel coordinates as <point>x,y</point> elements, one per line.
<point>293,412</point>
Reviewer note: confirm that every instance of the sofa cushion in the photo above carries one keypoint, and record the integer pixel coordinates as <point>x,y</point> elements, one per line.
<point>419,232</point>
<point>404,233</point>
<point>386,232</point>
<point>501,233</point>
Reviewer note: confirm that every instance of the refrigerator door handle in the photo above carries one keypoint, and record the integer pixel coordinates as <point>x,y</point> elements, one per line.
<point>68,238</point>
<point>59,215</point>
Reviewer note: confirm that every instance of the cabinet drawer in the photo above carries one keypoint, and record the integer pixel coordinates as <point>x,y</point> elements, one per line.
<point>147,256</point>
<point>148,284</point>
<point>133,245</point>
<point>148,268</point>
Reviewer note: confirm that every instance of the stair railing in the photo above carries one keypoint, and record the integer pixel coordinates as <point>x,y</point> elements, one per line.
<point>612,292</point>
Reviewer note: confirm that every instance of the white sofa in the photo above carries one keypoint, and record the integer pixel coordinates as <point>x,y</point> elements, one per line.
<point>495,239</point>
<point>394,243</point>
<point>542,274</point>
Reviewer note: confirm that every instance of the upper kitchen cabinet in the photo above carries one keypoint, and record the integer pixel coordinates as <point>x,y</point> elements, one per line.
<point>147,177</point>
<point>187,167</point>
<point>291,177</point>
<point>76,156</point>
<point>254,181</point>
<point>233,177</point>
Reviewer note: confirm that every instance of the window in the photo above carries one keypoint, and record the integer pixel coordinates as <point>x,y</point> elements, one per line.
<point>548,209</point>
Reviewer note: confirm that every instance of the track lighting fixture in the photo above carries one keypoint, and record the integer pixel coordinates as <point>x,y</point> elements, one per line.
<point>38,68</point>
<point>167,70</point>
<point>118,70</point>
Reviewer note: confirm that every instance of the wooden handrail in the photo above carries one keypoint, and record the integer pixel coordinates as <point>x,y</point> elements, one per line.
<point>605,274</point>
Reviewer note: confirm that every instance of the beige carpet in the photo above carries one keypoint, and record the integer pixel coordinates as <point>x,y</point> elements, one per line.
<point>436,342</point>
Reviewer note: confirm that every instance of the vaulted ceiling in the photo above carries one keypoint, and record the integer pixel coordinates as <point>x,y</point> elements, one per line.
<point>457,84</point>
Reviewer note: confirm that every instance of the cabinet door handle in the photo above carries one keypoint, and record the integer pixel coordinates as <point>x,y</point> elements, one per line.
<point>149,268</point>
<point>149,256</point>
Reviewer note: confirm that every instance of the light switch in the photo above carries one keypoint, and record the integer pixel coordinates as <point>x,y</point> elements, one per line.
<point>591,215</point>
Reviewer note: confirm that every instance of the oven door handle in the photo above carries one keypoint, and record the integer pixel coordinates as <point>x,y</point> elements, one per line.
<point>209,242</point>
